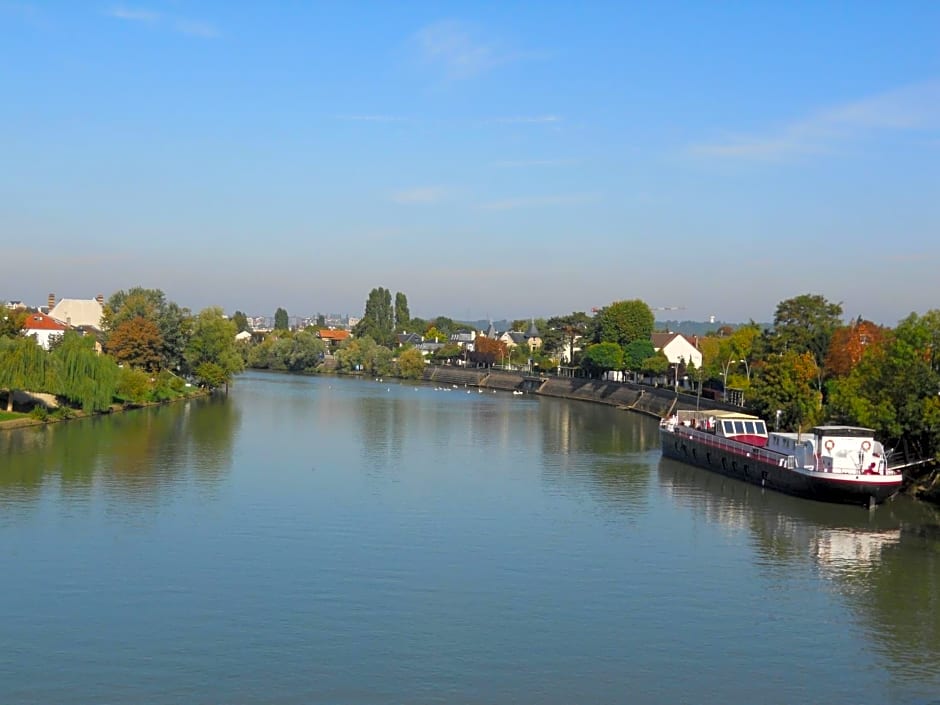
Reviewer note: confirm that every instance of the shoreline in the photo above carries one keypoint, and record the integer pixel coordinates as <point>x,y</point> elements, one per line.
<point>28,421</point>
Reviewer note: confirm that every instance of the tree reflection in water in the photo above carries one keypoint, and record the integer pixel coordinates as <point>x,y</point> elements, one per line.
<point>885,563</point>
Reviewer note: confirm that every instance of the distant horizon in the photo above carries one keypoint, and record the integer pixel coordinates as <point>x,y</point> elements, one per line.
<point>514,160</point>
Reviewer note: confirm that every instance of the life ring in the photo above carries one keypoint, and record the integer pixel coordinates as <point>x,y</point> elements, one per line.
<point>830,444</point>
<point>866,445</point>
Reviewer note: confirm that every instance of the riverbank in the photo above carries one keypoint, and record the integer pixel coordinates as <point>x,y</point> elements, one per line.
<point>652,401</point>
<point>27,421</point>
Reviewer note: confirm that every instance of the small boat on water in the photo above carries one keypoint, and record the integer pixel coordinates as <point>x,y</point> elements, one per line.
<point>829,463</point>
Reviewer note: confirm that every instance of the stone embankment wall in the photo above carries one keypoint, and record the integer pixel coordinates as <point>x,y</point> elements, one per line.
<point>653,401</point>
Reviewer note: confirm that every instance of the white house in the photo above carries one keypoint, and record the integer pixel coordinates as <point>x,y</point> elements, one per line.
<point>677,348</point>
<point>44,329</point>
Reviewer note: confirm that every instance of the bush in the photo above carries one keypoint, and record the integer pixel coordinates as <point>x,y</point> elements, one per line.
<point>133,385</point>
<point>63,413</point>
<point>40,413</point>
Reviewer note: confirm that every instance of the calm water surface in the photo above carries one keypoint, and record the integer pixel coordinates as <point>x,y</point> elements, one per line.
<point>343,541</point>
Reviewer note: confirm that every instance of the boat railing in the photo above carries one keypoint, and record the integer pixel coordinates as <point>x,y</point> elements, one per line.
<point>746,449</point>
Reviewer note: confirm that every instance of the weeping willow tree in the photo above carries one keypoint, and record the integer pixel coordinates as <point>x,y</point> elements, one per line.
<point>83,376</point>
<point>24,365</point>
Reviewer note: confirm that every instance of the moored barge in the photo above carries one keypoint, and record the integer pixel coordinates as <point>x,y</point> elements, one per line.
<point>829,463</point>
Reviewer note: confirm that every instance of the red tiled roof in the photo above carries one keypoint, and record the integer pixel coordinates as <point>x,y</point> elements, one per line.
<point>335,335</point>
<point>37,321</point>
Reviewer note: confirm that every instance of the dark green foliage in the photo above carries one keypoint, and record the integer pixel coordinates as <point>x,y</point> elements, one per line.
<point>602,357</point>
<point>281,320</point>
<point>241,321</point>
<point>211,352</point>
<point>804,324</point>
<point>378,321</point>
<point>622,322</point>
<point>402,314</point>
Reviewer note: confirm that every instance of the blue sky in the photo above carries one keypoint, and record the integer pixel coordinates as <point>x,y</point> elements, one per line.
<point>490,160</point>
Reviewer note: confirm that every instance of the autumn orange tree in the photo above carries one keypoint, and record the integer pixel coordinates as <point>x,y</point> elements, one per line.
<point>487,351</point>
<point>848,345</point>
<point>137,342</point>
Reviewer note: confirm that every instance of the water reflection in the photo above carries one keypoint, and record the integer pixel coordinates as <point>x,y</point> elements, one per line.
<point>608,452</point>
<point>885,564</point>
<point>133,455</point>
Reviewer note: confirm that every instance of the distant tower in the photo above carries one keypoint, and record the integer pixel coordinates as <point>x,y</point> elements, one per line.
<point>51,301</point>
<point>711,319</point>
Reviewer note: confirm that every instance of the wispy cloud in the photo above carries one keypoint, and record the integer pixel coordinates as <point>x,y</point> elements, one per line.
<point>460,53</point>
<point>421,195</point>
<point>525,120</point>
<point>564,199</point>
<point>196,29</point>
<point>522,163</point>
<point>372,118</point>
<point>915,107</point>
<point>181,25</point>
<point>133,14</point>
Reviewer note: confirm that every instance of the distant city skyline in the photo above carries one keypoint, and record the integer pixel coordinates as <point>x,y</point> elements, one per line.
<point>489,161</point>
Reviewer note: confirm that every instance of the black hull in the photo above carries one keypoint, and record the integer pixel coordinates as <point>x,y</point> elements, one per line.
<point>774,477</point>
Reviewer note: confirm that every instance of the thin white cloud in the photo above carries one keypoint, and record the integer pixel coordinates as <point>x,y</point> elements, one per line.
<point>523,163</point>
<point>196,29</point>
<point>915,107</point>
<point>133,14</point>
<point>371,118</point>
<point>457,50</point>
<point>526,120</point>
<point>449,45</point>
<point>192,28</point>
<point>564,199</point>
<point>421,195</point>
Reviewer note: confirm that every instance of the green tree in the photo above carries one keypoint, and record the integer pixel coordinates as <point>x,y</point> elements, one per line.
<point>561,333</point>
<point>24,365</point>
<point>132,385</point>
<point>280,320</point>
<point>83,376</point>
<point>805,324</point>
<point>622,322</point>
<point>894,387</point>
<point>211,353</point>
<point>656,365</point>
<point>602,357</point>
<point>11,322</point>
<point>787,382</point>
<point>378,320</point>
<point>636,353</point>
<point>402,314</point>
<point>411,364</point>
<point>241,321</point>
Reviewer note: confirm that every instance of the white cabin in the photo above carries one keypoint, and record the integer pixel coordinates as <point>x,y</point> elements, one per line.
<point>835,449</point>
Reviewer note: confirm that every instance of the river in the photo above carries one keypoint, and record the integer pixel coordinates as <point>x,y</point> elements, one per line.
<point>343,541</point>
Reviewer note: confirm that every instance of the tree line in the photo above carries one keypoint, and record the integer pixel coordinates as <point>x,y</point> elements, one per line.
<point>152,349</point>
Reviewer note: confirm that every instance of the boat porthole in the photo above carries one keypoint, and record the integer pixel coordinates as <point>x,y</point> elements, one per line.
<point>685,449</point>
<point>734,465</point>
<point>694,454</point>
<point>708,456</point>
<point>745,471</point>
<point>724,463</point>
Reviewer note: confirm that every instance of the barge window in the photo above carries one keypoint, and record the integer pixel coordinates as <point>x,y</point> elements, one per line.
<point>749,427</point>
<point>738,427</point>
<point>761,430</point>
<point>728,427</point>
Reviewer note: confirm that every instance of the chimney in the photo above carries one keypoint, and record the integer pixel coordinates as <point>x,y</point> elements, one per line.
<point>51,301</point>
<point>100,299</point>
